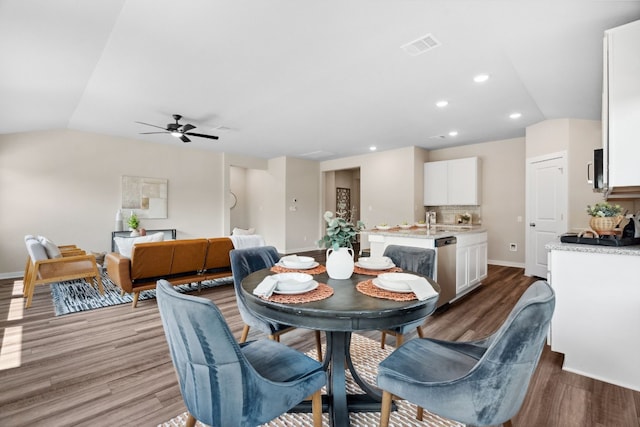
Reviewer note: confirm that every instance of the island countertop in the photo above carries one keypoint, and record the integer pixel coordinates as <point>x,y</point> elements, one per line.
<point>427,233</point>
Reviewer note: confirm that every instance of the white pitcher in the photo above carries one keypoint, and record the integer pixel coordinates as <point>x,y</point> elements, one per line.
<point>340,263</point>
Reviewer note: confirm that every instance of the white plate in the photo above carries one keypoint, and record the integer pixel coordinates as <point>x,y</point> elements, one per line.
<point>311,287</point>
<point>383,227</point>
<point>381,285</point>
<point>295,261</point>
<point>313,265</point>
<point>292,281</point>
<point>405,226</point>
<point>374,266</point>
<point>421,224</point>
<point>397,281</point>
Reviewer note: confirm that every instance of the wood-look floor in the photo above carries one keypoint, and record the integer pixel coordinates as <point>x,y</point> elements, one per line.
<point>111,366</point>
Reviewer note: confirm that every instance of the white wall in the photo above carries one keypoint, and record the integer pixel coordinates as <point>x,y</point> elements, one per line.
<point>387,184</point>
<point>66,185</point>
<point>502,194</point>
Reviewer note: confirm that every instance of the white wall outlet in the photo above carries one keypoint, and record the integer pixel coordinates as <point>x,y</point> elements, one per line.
<point>513,247</point>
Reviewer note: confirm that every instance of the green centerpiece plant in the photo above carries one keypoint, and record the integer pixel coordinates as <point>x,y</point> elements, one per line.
<point>339,240</point>
<point>340,233</point>
<point>604,209</point>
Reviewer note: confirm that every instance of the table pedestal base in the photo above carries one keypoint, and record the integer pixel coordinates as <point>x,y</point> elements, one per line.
<point>337,402</point>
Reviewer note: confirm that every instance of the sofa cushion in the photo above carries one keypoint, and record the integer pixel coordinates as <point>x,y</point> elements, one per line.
<point>36,250</point>
<point>50,248</point>
<point>125,244</point>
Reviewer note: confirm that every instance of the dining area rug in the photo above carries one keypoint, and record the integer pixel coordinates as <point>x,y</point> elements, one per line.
<point>77,295</point>
<point>366,355</point>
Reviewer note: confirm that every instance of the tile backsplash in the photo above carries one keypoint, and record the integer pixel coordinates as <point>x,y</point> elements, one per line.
<point>451,214</point>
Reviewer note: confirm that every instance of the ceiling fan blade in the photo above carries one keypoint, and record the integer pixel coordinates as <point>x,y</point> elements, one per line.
<point>187,127</point>
<point>201,135</point>
<point>149,133</point>
<point>148,124</point>
<point>185,139</point>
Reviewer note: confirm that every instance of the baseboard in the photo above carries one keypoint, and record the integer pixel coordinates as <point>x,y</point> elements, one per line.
<point>506,263</point>
<point>14,275</point>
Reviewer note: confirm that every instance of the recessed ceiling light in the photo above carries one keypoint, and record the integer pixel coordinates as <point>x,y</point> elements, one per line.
<point>453,133</point>
<point>442,103</point>
<point>515,115</point>
<point>481,78</point>
<point>373,148</point>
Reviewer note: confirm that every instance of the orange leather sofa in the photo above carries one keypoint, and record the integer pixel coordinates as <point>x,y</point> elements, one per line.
<point>177,261</point>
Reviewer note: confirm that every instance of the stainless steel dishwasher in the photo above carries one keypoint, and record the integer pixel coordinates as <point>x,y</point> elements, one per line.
<point>445,274</point>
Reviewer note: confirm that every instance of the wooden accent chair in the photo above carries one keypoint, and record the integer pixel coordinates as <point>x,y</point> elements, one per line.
<point>224,383</point>
<point>48,263</point>
<point>477,383</point>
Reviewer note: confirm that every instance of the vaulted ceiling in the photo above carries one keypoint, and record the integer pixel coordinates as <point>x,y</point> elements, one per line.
<point>302,78</point>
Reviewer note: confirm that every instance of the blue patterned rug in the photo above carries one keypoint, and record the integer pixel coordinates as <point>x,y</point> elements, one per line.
<point>77,295</point>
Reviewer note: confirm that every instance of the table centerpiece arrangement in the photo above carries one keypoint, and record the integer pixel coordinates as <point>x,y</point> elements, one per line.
<point>339,238</point>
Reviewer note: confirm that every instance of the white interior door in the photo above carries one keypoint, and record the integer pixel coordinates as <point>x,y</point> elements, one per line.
<point>546,197</point>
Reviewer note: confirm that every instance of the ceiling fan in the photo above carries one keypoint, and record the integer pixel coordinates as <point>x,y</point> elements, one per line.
<point>178,130</point>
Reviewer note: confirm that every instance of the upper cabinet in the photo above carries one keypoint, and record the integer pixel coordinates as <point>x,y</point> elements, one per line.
<point>452,182</point>
<point>621,108</point>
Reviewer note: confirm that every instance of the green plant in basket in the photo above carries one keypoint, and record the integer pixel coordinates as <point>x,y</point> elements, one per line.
<point>340,233</point>
<point>604,209</point>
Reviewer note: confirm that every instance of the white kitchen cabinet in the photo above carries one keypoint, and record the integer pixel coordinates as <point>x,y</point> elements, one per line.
<point>452,182</point>
<point>471,261</point>
<point>597,312</point>
<point>621,106</point>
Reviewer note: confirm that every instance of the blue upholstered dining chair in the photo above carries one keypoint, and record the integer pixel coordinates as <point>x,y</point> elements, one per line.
<point>412,259</point>
<point>479,382</point>
<point>244,262</point>
<point>227,384</point>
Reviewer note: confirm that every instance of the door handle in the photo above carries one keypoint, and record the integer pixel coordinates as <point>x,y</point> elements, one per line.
<point>532,224</point>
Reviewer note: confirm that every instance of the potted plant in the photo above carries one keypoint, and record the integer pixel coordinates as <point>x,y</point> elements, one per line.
<point>604,217</point>
<point>339,240</point>
<point>133,222</point>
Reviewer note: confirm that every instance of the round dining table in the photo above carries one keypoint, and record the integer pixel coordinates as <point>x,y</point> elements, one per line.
<point>346,311</point>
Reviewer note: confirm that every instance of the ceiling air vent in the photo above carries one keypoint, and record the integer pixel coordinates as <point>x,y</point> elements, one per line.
<point>421,45</point>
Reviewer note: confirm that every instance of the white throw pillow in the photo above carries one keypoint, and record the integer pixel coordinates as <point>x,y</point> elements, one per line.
<point>50,248</point>
<point>125,244</point>
<point>242,232</point>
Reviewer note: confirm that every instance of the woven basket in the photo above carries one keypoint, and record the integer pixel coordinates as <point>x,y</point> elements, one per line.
<point>604,223</point>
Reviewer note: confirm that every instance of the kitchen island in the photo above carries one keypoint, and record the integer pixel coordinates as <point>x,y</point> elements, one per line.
<point>470,253</point>
<point>597,315</point>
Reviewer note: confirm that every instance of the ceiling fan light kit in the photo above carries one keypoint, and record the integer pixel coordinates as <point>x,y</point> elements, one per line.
<point>178,130</point>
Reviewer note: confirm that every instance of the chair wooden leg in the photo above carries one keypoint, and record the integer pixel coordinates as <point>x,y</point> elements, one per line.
<point>385,409</point>
<point>419,413</point>
<point>382,339</point>
<point>399,340</point>
<point>135,299</point>
<point>316,408</point>
<point>191,421</point>
<point>245,333</point>
<point>420,332</point>
<point>122,292</point>
<point>29,290</point>
<point>507,424</point>
<point>319,345</point>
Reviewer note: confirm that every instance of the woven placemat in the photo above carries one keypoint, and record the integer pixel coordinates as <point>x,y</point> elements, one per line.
<point>323,291</point>
<point>360,270</point>
<point>315,270</point>
<point>368,288</point>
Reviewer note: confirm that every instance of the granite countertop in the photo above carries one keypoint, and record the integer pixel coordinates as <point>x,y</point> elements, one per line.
<point>441,230</point>
<point>594,249</point>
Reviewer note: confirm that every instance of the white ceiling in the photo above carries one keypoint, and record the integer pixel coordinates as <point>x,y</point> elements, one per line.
<point>301,78</point>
